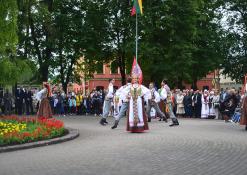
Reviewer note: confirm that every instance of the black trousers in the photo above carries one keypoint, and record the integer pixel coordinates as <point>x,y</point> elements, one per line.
<point>198,109</point>
<point>29,108</point>
<point>19,107</point>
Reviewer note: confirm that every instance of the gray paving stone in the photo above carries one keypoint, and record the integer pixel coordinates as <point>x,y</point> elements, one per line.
<point>196,147</point>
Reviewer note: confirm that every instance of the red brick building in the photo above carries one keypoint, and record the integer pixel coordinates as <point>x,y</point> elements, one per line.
<point>210,81</point>
<point>100,80</point>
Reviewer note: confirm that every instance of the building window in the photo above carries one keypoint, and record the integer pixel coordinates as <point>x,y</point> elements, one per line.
<point>114,67</point>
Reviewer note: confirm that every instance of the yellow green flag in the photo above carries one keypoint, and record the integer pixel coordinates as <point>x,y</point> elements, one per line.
<point>137,8</point>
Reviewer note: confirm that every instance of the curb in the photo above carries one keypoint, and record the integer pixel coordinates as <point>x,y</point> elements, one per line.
<point>73,133</point>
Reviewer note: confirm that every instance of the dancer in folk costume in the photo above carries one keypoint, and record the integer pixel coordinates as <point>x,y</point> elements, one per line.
<point>180,104</point>
<point>205,106</point>
<point>108,102</point>
<point>125,102</point>
<point>163,95</point>
<point>136,117</point>
<point>117,104</point>
<point>216,104</point>
<point>169,109</point>
<point>44,110</point>
<point>153,102</point>
<point>211,111</point>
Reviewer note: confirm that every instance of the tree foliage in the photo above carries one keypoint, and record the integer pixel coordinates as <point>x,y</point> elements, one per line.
<point>235,62</point>
<point>178,40</point>
<point>12,69</point>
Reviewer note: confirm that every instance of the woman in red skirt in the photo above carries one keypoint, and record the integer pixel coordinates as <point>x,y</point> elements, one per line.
<point>44,107</point>
<point>243,120</point>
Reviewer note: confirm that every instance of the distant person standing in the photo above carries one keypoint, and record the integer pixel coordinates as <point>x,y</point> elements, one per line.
<point>7,103</point>
<point>197,102</point>
<point>19,94</point>
<point>205,105</point>
<point>216,104</point>
<point>107,102</point>
<point>230,104</point>
<point>180,104</point>
<point>29,102</point>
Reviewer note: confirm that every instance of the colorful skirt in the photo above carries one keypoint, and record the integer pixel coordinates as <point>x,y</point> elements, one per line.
<point>142,125</point>
<point>45,109</point>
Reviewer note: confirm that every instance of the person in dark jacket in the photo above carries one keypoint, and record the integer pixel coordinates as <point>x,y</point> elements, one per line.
<point>188,104</point>
<point>230,104</point>
<point>1,106</point>
<point>197,101</point>
<point>29,102</point>
<point>19,95</point>
<point>7,103</point>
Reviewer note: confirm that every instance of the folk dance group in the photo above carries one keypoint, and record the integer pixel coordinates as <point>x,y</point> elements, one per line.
<point>132,96</point>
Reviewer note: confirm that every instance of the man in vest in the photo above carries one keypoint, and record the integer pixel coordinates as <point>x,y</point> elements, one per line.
<point>107,102</point>
<point>153,102</point>
<point>125,103</point>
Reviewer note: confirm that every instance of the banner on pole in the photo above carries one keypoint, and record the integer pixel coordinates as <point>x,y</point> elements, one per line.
<point>137,8</point>
<point>136,70</point>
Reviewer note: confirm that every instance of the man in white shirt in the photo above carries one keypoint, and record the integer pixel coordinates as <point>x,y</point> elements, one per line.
<point>153,102</point>
<point>125,102</point>
<point>107,102</point>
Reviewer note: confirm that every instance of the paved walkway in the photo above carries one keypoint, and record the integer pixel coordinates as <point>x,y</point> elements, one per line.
<point>197,147</point>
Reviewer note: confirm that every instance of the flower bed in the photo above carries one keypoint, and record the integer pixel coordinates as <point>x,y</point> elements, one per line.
<point>17,130</point>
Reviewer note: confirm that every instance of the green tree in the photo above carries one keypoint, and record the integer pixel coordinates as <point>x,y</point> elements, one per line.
<point>11,68</point>
<point>235,62</point>
<point>180,40</point>
<point>36,32</point>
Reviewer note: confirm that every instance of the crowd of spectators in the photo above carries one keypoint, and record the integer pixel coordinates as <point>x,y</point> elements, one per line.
<point>186,103</point>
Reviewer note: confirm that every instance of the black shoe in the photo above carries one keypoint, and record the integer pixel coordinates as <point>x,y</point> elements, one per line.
<point>149,119</point>
<point>174,122</point>
<point>102,121</point>
<point>115,124</point>
<point>106,122</point>
<point>172,125</point>
<point>246,127</point>
<point>160,119</point>
<point>165,119</point>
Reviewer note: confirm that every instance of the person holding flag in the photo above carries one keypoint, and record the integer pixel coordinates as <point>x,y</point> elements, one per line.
<point>136,117</point>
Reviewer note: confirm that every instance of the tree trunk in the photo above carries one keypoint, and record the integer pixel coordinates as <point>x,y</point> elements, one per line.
<point>180,83</point>
<point>194,83</point>
<point>65,85</point>
<point>121,64</point>
<point>44,73</point>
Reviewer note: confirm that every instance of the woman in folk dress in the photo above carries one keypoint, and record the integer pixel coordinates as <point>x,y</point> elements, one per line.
<point>180,104</point>
<point>136,117</point>
<point>205,106</point>
<point>44,110</point>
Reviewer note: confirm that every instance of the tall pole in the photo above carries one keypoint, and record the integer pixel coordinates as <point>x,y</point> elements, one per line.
<point>136,38</point>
